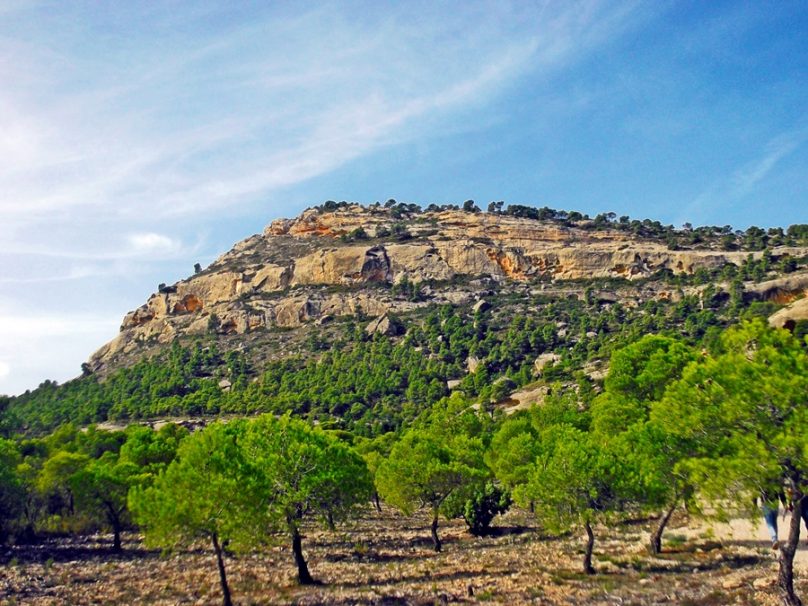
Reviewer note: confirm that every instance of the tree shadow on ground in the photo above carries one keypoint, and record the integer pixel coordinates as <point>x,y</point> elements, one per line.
<point>421,578</point>
<point>51,550</point>
<point>691,548</point>
<point>390,600</point>
<point>638,521</point>
<point>370,557</point>
<point>506,531</point>
<point>686,566</point>
<point>763,545</point>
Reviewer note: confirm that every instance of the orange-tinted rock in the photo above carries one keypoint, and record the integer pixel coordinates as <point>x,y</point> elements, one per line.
<point>298,270</point>
<point>188,304</point>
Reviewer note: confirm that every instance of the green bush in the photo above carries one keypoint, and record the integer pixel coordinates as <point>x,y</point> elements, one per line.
<point>480,507</point>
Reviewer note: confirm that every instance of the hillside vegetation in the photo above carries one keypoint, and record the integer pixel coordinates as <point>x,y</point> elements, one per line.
<point>580,405</point>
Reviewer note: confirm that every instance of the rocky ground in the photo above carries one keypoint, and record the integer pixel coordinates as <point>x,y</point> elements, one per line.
<point>386,559</point>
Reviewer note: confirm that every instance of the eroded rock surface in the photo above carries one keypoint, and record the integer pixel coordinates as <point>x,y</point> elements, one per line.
<point>306,269</point>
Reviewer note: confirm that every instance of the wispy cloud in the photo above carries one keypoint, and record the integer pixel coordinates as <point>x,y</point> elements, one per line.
<point>258,106</point>
<point>78,272</point>
<point>141,246</point>
<point>743,181</point>
<point>746,178</point>
<point>35,326</point>
<point>150,242</point>
<point>131,128</point>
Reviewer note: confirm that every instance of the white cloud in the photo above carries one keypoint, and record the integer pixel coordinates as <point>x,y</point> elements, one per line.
<point>113,144</point>
<point>152,243</point>
<point>4,369</point>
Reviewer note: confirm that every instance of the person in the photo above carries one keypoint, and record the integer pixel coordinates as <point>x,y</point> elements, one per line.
<point>769,511</point>
<point>769,507</point>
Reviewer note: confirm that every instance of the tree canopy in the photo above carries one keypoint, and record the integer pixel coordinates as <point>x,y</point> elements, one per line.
<point>745,411</point>
<point>209,492</point>
<point>432,462</point>
<point>303,471</point>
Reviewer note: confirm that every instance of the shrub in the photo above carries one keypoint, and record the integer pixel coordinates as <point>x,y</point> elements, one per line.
<point>480,507</point>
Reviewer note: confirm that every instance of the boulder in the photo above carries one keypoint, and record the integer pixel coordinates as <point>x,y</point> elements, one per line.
<point>384,325</point>
<point>293,312</point>
<point>481,306</point>
<point>764,582</point>
<point>543,360</point>
<point>271,278</point>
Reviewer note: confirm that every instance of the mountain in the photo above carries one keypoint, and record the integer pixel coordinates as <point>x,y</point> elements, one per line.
<point>347,260</point>
<point>360,317</point>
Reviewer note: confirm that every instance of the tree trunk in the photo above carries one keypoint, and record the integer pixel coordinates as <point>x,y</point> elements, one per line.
<point>303,575</point>
<point>28,535</point>
<point>376,501</point>
<point>114,520</point>
<point>226,601</point>
<point>590,546</point>
<point>655,546</point>
<point>116,537</point>
<point>785,575</point>
<point>435,539</point>
<point>31,515</point>
<point>330,521</point>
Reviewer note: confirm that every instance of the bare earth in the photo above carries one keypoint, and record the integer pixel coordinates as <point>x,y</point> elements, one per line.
<point>386,559</point>
<point>748,532</point>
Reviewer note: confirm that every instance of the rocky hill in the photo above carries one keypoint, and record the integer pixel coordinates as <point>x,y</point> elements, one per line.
<point>355,260</point>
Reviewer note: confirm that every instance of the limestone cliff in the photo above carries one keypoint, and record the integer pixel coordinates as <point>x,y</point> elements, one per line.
<point>326,264</point>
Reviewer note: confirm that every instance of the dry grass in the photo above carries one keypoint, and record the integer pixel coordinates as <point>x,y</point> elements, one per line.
<point>386,559</point>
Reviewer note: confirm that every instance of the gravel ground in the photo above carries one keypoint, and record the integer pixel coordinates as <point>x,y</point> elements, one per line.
<point>386,559</point>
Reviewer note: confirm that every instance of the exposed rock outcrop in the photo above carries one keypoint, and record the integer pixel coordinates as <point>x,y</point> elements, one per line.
<point>789,316</point>
<point>313,267</point>
<point>384,325</point>
<point>781,290</point>
<point>543,360</point>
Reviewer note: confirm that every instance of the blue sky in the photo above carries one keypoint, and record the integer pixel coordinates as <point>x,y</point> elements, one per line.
<point>139,138</point>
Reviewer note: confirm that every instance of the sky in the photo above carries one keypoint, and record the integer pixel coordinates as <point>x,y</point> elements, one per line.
<point>138,138</point>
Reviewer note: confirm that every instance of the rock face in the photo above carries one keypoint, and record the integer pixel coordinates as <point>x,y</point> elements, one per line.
<point>782,290</point>
<point>789,316</point>
<point>316,267</point>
